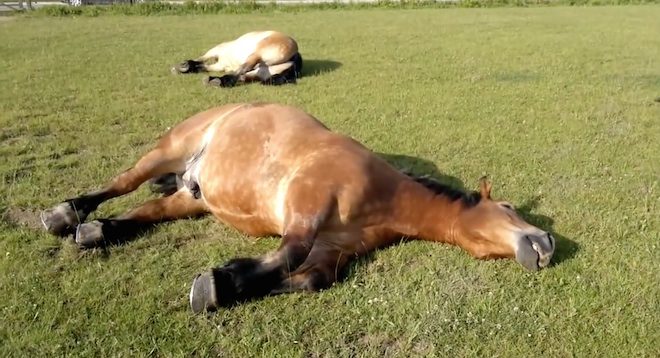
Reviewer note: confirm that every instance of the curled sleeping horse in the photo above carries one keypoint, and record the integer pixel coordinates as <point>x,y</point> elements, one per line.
<point>269,169</point>
<point>270,57</point>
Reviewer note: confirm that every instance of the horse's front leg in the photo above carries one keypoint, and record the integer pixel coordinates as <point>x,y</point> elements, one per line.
<point>243,279</point>
<point>248,278</point>
<point>63,218</point>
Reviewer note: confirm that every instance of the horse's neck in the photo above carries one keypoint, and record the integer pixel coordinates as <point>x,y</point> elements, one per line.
<point>420,213</point>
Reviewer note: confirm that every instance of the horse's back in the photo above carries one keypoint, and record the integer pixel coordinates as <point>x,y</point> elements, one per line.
<point>272,47</point>
<point>185,137</point>
<point>259,138</point>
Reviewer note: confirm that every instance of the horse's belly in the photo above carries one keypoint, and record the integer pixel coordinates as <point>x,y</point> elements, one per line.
<point>243,200</point>
<point>243,204</point>
<point>249,224</point>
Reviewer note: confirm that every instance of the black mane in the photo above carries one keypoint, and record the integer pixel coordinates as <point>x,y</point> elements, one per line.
<point>469,198</point>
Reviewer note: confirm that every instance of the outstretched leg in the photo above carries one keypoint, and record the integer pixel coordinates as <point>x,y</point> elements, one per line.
<point>243,279</point>
<point>231,79</point>
<point>248,278</point>
<point>63,218</point>
<point>179,205</point>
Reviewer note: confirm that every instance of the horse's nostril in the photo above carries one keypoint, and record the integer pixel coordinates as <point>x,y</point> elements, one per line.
<point>527,252</point>
<point>552,242</point>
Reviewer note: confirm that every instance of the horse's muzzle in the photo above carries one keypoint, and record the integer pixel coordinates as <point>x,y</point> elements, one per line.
<point>535,250</point>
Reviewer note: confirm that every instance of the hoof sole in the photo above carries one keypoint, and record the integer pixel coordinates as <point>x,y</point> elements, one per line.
<point>61,219</point>
<point>90,234</point>
<point>202,294</point>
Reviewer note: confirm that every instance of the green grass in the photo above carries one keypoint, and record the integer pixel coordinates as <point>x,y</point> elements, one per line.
<point>248,6</point>
<point>555,104</point>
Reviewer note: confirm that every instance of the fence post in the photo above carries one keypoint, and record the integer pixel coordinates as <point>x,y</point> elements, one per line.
<point>25,4</point>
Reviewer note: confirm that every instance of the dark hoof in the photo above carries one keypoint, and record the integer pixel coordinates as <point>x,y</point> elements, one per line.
<point>183,67</point>
<point>61,219</point>
<point>188,66</point>
<point>224,81</point>
<point>90,234</point>
<point>279,80</point>
<point>203,294</point>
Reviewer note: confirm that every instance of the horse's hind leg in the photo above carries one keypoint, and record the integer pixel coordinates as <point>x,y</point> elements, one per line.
<point>230,79</point>
<point>63,218</point>
<point>283,73</point>
<point>179,205</point>
<point>275,75</point>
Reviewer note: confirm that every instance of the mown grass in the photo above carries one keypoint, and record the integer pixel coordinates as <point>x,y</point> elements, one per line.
<point>555,104</point>
<point>150,8</point>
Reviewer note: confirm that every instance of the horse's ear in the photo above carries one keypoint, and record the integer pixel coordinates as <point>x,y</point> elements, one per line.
<point>484,187</point>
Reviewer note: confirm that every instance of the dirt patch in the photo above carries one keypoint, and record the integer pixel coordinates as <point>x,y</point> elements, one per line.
<point>389,347</point>
<point>22,217</point>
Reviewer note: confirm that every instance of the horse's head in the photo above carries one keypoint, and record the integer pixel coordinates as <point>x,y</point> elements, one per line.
<point>492,229</point>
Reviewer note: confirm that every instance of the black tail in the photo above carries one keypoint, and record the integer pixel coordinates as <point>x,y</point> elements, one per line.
<point>297,64</point>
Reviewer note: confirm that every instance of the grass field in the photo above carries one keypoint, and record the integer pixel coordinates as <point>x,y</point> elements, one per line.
<point>557,105</point>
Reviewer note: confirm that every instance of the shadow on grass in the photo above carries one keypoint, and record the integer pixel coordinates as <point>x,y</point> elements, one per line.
<point>313,68</point>
<point>565,248</point>
<point>421,166</point>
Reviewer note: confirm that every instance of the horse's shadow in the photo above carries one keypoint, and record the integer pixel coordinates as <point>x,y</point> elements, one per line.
<point>565,248</point>
<point>313,68</point>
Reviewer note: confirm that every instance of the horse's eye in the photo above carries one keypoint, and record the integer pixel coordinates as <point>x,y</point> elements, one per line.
<point>507,205</point>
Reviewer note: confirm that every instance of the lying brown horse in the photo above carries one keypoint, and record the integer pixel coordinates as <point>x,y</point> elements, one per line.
<point>270,57</point>
<point>268,169</point>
